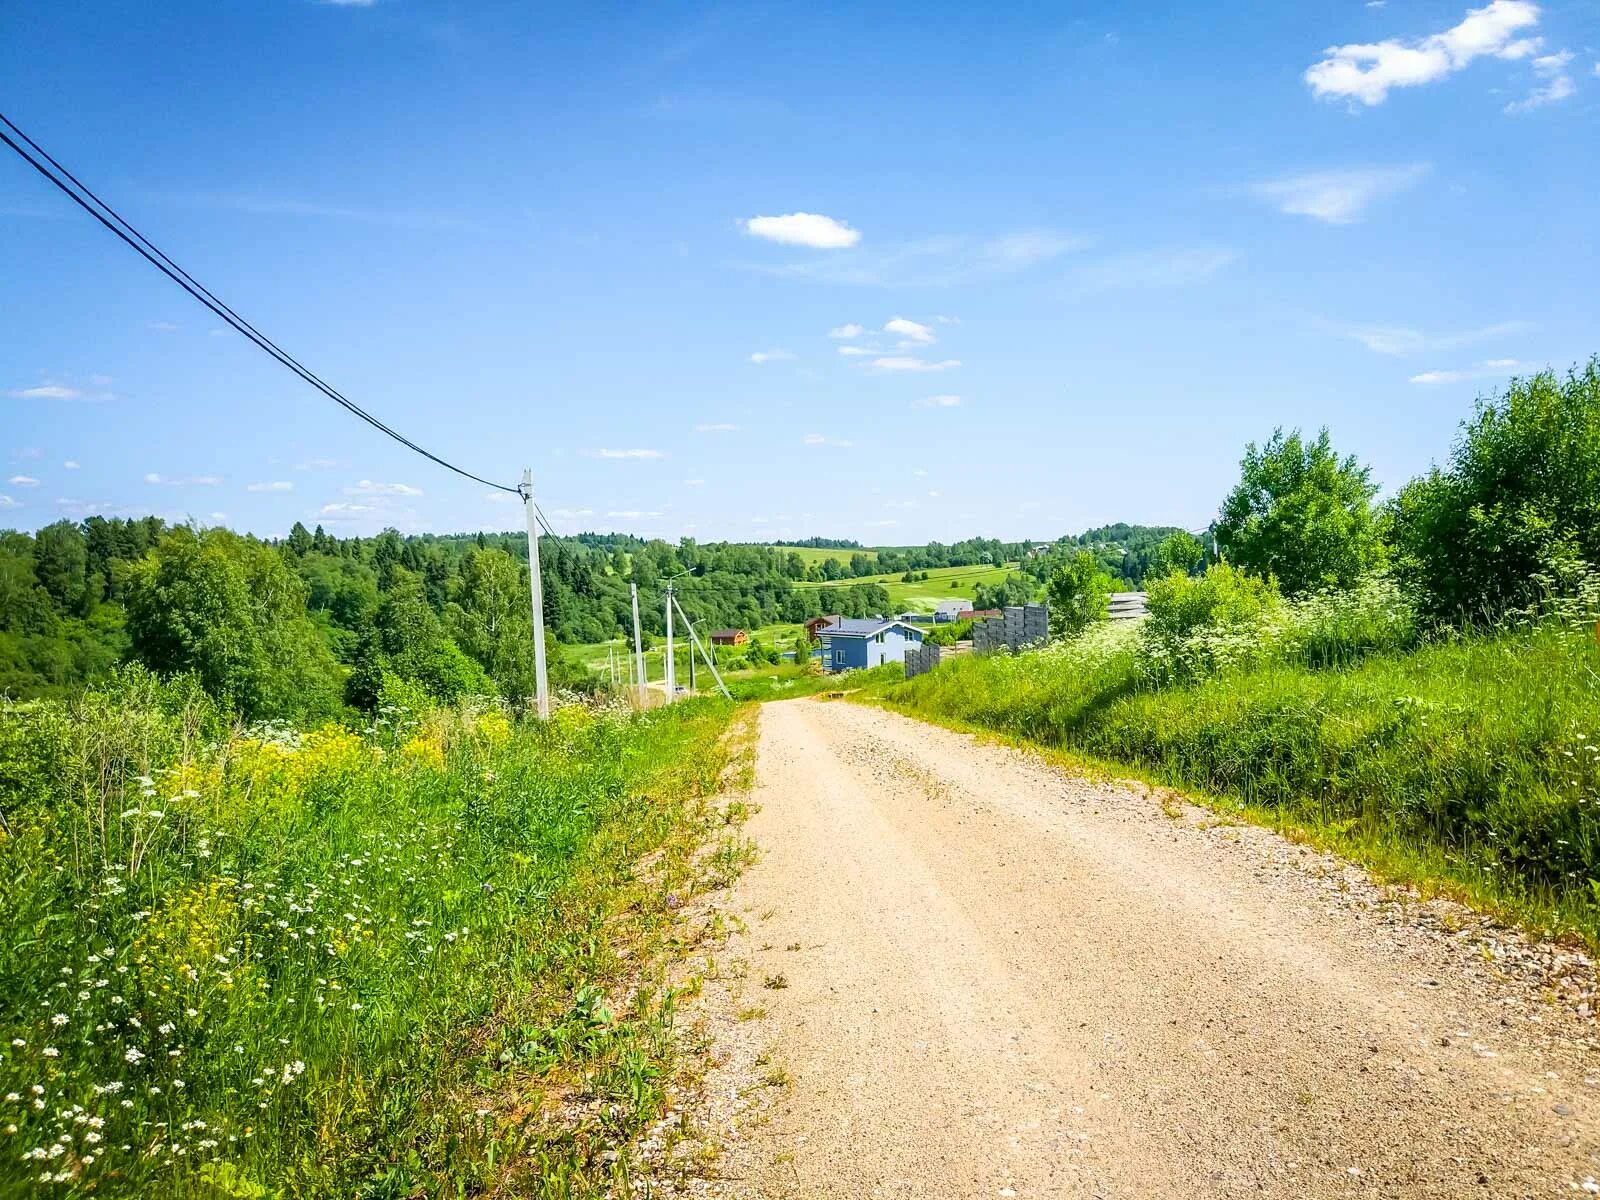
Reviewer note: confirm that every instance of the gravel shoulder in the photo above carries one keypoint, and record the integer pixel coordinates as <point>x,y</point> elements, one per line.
<point>958,971</point>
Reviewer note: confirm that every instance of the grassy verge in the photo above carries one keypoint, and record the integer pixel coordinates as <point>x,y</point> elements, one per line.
<point>1471,766</point>
<point>378,964</point>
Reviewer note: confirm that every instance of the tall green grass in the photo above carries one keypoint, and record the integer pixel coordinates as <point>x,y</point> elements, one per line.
<point>1474,759</point>
<point>344,963</point>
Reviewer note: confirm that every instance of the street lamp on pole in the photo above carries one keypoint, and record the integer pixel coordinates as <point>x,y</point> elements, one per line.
<point>672,687</point>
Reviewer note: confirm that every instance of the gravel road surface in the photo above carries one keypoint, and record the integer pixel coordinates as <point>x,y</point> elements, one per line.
<point>983,976</point>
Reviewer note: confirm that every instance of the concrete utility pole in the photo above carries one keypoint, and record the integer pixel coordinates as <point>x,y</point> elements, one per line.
<point>536,587</point>
<point>671,681</point>
<point>638,646</point>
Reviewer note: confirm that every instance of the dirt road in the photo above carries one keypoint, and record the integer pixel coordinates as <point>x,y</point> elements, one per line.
<point>986,977</point>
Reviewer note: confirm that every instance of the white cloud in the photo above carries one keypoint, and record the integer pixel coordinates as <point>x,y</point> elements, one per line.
<point>1488,369</point>
<point>161,326</point>
<point>935,493</point>
<point>218,516</point>
<point>1338,196</point>
<point>6,502</point>
<point>857,351</point>
<point>49,391</point>
<point>819,439</point>
<point>339,509</point>
<point>908,363</point>
<point>716,427</point>
<point>694,483</point>
<point>632,514</point>
<point>937,402</point>
<point>851,330</point>
<point>1398,340</point>
<point>501,498</point>
<point>567,514</point>
<point>804,229</point>
<point>368,487</point>
<point>319,464</point>
<point>276,485</point>
<point>1366,71</point>
<point>23,481</point>
<point>183,480</point>
<point>766,356</point>
<point>70,465</point>
<point>914,333</point>
<point>623,454</point>
<point>1553,68</point>
<point>889,523</point>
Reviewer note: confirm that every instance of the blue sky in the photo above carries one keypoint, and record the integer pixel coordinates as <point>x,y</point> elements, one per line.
<point>898,273</point>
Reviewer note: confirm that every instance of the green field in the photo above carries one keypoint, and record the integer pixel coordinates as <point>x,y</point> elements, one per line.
<point>943,583</point>
<point>810,555</point>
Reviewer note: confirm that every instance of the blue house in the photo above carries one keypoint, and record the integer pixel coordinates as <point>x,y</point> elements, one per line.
<point>851,643</point>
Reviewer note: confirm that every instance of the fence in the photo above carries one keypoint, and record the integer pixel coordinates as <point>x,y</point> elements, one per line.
<point>922,659</point>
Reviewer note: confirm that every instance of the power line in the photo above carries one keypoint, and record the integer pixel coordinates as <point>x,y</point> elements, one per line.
<point>148,250</point>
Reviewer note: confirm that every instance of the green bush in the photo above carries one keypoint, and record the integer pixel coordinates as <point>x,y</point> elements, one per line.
<point>1517,511</point>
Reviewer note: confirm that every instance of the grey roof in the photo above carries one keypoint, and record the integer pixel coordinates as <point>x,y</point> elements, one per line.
<point>858,626</point>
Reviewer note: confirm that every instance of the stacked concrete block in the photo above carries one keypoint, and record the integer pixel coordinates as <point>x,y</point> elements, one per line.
<point>1021,626</point>
<point>1035,624</point>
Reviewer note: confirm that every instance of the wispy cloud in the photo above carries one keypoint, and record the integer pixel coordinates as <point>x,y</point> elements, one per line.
<point>8,502</point>
<point>694,483</point>
<point>183,480</point>
<point>1399,340</point>
<point>1153,269</point>
<point>945,401</point>
<point>846,331</point>
<point>369,487</point>
<point>766,356</point>
<point>277,206</point>
<point>319,464</point>
<point>938,261</point>
<point>342,510</point>
<point>859,351</point>
<point>275,485</point>
<point>623,454</point>
<point>23,481</point>
<point>715,427</point>
<point>1366,72</point>
<point>1015,251</point>
<point>69,465</point>
<point>1339,196</point>
<point>161,326</point>
<point>912,363</point>
<point>1558,85</point>
<point>48,391</point>
<point>803,229</point>
<point>1488,369</point>
<point>821,439</point>
<point>633,514</point>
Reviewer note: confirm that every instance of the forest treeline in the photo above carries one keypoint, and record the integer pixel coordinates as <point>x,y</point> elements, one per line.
<point>302,625</point>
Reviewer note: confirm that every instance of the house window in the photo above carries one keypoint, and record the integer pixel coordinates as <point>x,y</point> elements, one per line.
<point>879,639</point>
